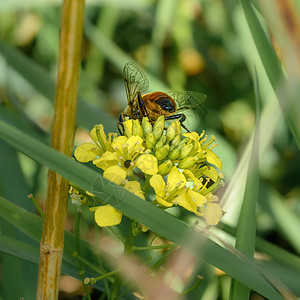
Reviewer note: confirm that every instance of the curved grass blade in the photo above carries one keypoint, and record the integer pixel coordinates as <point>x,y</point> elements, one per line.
<point>246,231</point>
<point>287,98</point>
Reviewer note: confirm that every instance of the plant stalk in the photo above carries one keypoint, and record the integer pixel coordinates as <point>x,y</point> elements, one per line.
<point>63,128</point>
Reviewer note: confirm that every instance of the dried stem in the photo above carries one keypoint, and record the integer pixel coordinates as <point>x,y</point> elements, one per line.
<point>52,242</point>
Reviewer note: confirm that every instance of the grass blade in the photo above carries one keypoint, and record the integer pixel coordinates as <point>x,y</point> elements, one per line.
<point>246,231</point>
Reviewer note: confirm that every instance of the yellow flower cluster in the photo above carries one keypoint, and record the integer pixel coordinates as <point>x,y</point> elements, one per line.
<point>181,168</point>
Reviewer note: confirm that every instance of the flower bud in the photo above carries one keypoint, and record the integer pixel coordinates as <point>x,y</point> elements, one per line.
<point>174,154</point>
<point>128,128</point>
<point>176,140</point>
<point>157,131</point>
<point>185,151</point>
<point>182,143</point>
<point>98,134</point>
<point>171,132</point>
<point>178,127</point>
<point>161,141</point>
<point>158,127</point>
<point>150,140</point>
<point>159,145</point>
<point>165,168</point>
<point>162,153</point>
<point>187,162</point>
<point>160,122</point>
<point>147,127</point>
<point>137,128</point>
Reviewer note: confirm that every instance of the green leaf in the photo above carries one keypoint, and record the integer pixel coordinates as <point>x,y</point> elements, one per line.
<point>287,97</point>
<point>246,231</point>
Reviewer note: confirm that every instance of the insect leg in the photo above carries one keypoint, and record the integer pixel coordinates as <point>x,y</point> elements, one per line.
<point>181,118</point>
<point>142,106</point>
<point>120,125</point>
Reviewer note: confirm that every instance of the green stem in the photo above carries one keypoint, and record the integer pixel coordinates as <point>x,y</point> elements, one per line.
<point>93,280</point>
<point>135,248</point>
<point>81,271</point>
<point>128,246</point>
<point>38,208</point>
<point>193,287</point>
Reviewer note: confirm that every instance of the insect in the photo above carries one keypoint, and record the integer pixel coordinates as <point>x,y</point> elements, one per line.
<point>155,104</point>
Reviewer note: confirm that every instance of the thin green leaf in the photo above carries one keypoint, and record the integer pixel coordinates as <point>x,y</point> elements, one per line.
<point>288,100</point>
<point>246,231</point>
<point>287,220</point>
<point>277,254</point>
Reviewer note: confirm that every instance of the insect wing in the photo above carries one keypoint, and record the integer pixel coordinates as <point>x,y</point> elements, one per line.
<point>189,99</point>
<point>135,81</point>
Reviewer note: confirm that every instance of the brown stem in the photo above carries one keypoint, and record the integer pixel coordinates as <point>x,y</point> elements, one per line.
<point>52,242</point>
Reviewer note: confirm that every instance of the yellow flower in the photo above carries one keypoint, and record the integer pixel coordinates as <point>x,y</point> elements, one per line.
<point>166,193</point>
<point>89,151</point>
<point>191,168</point>
<point>176,192</point>
<point>128,153</point>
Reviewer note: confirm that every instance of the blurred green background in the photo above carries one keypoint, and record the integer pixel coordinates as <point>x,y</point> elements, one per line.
<point>198,45</point>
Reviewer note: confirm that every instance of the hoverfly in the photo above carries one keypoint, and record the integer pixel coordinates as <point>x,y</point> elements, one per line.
<point>155,104</point>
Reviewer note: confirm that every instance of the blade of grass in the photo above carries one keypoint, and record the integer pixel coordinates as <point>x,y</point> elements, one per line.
<point>287,99</point>
<point>246,231</point>
<point>276,253</point>
<point>287,220</point>
<point>144,212</point>
<point>11,176</point>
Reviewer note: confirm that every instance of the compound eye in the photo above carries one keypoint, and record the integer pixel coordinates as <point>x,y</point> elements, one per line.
<point>165,104</point>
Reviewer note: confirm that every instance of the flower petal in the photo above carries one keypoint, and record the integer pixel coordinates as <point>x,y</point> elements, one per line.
<point>107,160</point>
<point>197,198</point>
<point>147,163</point>
<point>186,202</point>
<point>190,176</point>
<point>176,179</point>
<point>86,152</point>
<point>115,174</point>
<point>163,202</point>
<point>107,216</point>
<point>211,173</point>
<point>135,188</point>
<point>158,185</point>
<point>213,213</point>
<point>214,159</point>
<point>118,142</point>
<point>135,145</point>
<point>192,135</point>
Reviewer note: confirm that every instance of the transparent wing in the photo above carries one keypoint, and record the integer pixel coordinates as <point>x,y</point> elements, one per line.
<point>135,81</point>
<point>189,99</point>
